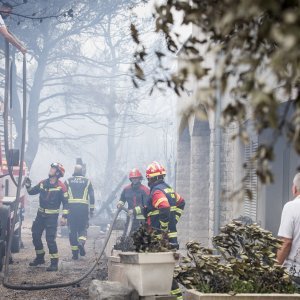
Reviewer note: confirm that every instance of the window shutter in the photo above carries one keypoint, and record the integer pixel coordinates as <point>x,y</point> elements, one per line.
<point>250,205</point>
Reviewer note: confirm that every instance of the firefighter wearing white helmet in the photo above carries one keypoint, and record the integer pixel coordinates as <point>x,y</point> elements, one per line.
<point>81,205</point>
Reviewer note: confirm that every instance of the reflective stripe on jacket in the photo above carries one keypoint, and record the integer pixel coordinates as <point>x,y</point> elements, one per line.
<point>51,196</point>
<point>161,209</point>
<point>136,198</point>
<point>80,192</point>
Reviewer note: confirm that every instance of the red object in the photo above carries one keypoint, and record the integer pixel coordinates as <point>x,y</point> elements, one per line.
<point>155,169</point>
<point>135,173</point>
<point>60,168</point>
<point>159,200</point>
<point>62,185</point>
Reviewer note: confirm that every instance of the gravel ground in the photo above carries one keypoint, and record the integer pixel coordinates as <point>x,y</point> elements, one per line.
<point>21,273</point>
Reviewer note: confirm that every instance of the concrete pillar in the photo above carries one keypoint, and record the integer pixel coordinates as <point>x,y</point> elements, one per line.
<point>229,206</point>
<point>211,186</point>
<point>227,177</point>
<point>183,184</point>
<point>199,182</point>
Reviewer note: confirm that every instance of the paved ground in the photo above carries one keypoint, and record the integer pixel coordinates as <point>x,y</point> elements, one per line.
<point>21,273</point>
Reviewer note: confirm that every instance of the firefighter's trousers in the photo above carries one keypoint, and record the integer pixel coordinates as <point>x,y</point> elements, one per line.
<point>78,225</point>
<point>176,290</point>
<point>45,222</point>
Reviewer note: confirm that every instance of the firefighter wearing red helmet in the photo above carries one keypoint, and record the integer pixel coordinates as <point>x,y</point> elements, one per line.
<point>165,206</point>
<point>164,209</point>
<point>52,193</point>
<point>135,195</point>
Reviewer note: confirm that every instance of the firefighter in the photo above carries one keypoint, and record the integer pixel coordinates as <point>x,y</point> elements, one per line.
<point>52,193</point>
<point>164,209</point>
<point>81,205</point>
<point>135,195</point>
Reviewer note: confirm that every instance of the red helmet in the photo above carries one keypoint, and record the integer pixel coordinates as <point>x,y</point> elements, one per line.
<point>60,169</point>
<point>135,173</point>
<point>155,169</point>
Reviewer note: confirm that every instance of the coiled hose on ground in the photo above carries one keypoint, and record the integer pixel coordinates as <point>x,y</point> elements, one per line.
<point>73,282</point>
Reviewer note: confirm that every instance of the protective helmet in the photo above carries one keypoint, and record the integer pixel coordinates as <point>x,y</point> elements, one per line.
<point>155,169</point>
<point>78,170</point>
<point>60,170</point>
<point>135,173</point>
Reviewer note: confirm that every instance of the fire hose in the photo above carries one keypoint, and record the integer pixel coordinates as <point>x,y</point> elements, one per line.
<point>18,183</point>
<point>7,95</point>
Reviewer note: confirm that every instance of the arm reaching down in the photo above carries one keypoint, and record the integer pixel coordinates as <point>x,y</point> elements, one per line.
<point>160,202</point>
<point>284,251</point>
<point>11,39</point>
<point>122,201</point>
<point>286,232</point>
<point>91,198</point>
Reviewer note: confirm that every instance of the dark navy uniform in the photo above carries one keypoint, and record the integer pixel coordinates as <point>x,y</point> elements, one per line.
<point>164,208</point>
<point>163,211</point>
<point>81,203</point>
<point>51,198</point>
<point>136,197</point>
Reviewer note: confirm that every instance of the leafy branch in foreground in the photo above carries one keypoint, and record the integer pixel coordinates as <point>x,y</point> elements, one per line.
<point>254,46</point>
<point>146,239</point>
<point>246,263</point>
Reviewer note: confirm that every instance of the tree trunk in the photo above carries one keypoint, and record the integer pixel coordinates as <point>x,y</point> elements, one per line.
<point>110,168</point>
<point>33,110</point>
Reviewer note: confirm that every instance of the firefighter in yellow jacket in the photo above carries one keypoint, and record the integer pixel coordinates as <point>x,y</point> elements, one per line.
<point>81,205</point>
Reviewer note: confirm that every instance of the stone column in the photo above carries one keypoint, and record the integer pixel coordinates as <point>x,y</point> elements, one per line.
<point>227,178</point>
<point>228,205</point>
<point>183,183</point>
<point>211,186</point>
<point>199,188</point>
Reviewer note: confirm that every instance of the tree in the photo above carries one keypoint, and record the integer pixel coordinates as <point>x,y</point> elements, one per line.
<point>50,42</point>
<point>256,43</point>
<point>105,86</point>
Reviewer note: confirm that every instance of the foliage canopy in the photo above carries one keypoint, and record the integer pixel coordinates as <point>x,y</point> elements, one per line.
<point>255,46</point>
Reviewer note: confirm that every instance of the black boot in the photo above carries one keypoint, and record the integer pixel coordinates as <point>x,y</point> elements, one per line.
<point>39,260</point>
<point>81,249</point>
<point>75,254</point>
<point>53,266</point>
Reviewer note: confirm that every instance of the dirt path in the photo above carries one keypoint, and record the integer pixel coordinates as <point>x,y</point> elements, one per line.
<point>21,273</point>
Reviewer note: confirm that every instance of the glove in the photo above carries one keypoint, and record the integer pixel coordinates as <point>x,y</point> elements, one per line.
<point>27,182</point>
<point>120,204</point>
<point>63,221</point>
<point>174,246</point>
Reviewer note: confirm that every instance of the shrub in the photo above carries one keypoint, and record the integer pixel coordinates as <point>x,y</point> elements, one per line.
<point>246,263</point>
<point>146,239</point>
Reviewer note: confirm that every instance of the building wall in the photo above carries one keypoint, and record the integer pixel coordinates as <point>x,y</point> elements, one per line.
<point>196,172</point>
<point>200,193</point>
<point>198,221</point>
